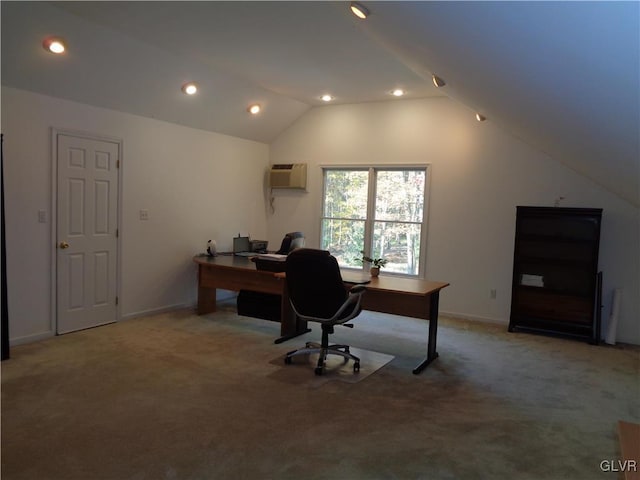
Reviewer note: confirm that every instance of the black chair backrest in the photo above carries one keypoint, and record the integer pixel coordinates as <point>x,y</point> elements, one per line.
<point>314,282</point>
<point>290,242</point>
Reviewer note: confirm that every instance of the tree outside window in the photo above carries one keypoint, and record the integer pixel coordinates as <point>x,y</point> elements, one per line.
<point>378,210</point>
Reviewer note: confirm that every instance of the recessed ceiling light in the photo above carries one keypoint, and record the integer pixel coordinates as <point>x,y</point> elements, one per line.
<point>359,10</point>
<point>480,118</point>
<point>437,81</point>
<point>398,92</point>
<point>190,88</point>
<point>53,45</point>
<point>254,109</point>
<point>326,97</point>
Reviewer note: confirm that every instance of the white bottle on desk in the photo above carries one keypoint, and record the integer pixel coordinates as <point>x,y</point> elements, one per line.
<point>211,248</point>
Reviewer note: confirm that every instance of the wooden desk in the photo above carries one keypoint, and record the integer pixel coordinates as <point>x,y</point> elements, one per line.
<point>396,295</point>
<point>409,297</point>
<point>629,434</point>
<point>239,273</point>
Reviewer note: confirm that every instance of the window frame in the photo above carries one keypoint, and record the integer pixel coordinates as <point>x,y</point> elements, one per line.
<point>370,220</point>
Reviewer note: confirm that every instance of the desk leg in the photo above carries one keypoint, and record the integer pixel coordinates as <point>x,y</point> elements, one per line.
<point>206,300</point>
<point>290,325</point>
<point>206,295</point>
<point>433,331</point>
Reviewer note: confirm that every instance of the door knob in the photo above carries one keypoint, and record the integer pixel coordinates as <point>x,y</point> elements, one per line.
<point>64,245</point>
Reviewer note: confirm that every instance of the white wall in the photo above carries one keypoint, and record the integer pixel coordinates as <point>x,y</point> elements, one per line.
<point>199,185</point>
<point>479,175</point>
<point>196,186</point>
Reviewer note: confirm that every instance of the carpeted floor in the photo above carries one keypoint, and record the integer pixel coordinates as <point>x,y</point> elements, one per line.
<point>336,368</point>
<point>177,396</point>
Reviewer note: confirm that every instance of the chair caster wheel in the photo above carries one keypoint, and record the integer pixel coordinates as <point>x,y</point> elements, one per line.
<point>287,360</point>
<point>318,370</point>
<point>356,367</point>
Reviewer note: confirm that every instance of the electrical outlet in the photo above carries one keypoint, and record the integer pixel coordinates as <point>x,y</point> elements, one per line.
<point>493,293</point>
<point>144,214</point>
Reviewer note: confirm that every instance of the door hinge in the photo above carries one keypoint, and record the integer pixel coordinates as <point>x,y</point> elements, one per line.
<point>116,300</point>
<point>117,233</point>
<point>117,163</point>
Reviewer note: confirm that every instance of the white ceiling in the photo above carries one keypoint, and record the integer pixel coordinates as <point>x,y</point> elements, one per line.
<point>562,76</point>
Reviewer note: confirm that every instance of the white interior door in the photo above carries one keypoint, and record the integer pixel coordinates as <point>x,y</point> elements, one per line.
<point>87,220</point>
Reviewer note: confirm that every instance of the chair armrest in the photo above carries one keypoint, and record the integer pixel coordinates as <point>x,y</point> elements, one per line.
<point>355,296</point>
<point>352,301</point>
<point>357,288</point>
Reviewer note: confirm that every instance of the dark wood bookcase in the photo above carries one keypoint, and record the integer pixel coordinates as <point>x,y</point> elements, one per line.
<point>556,285</point>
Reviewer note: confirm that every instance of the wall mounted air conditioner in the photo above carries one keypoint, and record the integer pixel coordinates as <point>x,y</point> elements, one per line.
<point>289,175</point>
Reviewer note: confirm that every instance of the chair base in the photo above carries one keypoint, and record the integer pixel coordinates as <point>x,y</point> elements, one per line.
<point>323,351</point>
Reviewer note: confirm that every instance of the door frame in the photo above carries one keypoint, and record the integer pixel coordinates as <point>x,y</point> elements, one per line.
<point>54,218</point>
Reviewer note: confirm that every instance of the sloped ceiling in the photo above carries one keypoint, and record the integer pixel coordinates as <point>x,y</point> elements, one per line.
<point>562,76</point>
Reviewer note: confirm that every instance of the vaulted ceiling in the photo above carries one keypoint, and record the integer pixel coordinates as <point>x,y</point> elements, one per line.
<point>562,76</point>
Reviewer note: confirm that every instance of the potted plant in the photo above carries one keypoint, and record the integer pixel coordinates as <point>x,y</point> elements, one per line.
<point>376,264</point>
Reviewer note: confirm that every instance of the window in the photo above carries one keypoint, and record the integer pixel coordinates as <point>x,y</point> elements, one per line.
<point>378,210</point>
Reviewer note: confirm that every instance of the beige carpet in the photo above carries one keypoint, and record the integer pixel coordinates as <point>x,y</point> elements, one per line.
<point>177,396</point>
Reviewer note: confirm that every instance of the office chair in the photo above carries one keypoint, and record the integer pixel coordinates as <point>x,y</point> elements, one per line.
<point>317,294</point>
<point>290,242</point>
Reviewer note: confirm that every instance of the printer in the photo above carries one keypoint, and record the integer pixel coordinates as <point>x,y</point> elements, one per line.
<point>259,246</point>
<point>244,247</point>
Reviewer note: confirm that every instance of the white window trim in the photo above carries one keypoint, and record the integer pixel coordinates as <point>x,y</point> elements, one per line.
<point>422,264</point>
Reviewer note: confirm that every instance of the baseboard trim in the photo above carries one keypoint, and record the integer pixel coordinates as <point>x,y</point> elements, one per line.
<point>181,306</point>
<point>171,308</point>
<point>154,311</point>
<point>476,318</point>
<point>144,313</point>
<point>30,338</point>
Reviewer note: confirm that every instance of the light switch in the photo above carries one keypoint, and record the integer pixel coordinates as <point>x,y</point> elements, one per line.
<point>42,216</point>
<point>144,214</point>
